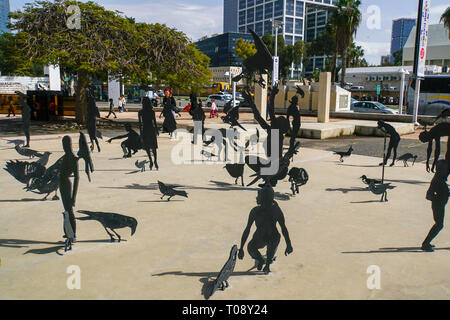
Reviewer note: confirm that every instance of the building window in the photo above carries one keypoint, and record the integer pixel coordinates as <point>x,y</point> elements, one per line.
<point>241,17</point>
<point>259,2</point>
<point>242,4</point>
<point>290,7</point>
<point>268,27</point>
<point>259,29</point>
<point>288,40</point>
<point>289,26</point>
<point>299,26</point>
<point>242,29</point>
<point>250,15</point>
<point>259,13</point>
<point>250,3</point>
<point>279,6</point>
<point>299,8</point>
<point>268,8</point>
<point>297,39</point>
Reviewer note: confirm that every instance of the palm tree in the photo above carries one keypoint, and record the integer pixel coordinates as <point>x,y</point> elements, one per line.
<point>354,55</point>
<point>446,19</point>
<point>346,20</point>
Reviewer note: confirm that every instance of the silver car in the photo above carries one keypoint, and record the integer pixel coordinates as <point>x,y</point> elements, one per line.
<point>220,99</point>
<point>372,107</point>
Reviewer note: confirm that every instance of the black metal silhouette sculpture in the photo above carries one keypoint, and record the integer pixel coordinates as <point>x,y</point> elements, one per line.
<point>297,177</point>
<point>141,165</point>
<point>294,112</point>
<point>169,108</point>
<point>24,171</point>
<point>111,221</point>
<point>30,153</point>
<point>438,194</point>
<point>232,115</point>
<point>368,181</point>
<point>236,170</point>
<point>69,233</point>
<point>132,142</point>
<point>69,167</point>
<point>344,154</point>
<point>221,282</point>
<point>435,134</point>
<point>444,115</point>
<point>406,157</point>
<point>207,154</point>
<point>170,191</point>
<point>261,63</point>
<point>380,189</point>
<point>197,114</point>
<point>48,183</point>
<point>91,122</point>
<point>394,141</point>
<point>26,117</point>
<point>265,216</point>
<point>84,153</point>
<point>149,131</point>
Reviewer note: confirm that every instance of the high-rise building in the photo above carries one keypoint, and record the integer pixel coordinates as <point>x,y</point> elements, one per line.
<point>230,18</point>
<point>302,20</point>
<point>401,29</point>
<point>4,12</point>
<point>221,48</point>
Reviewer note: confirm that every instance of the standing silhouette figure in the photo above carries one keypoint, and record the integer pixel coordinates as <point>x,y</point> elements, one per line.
<point>394,141</point>
<point>149,131</point>
<point>91,123</point>
<point>26,117</point>
<point>293,112</point>
<point>438,194</point>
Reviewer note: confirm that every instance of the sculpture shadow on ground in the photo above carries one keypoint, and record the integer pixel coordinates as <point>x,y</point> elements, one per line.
<point>347,190</point>
<point>394,250</point>
<point>368,201</point>
<point>407,181</point>
<point>207,278</point>
<point>21,200</point>
<point>358,165</point>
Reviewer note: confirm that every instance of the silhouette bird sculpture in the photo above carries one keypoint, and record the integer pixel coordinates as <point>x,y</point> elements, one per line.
<point>444,114</point>
<point>297,177</point>
<point>300,92</point>
<point>44,159</point>
<point>344,154</point>
<point>30,153</point>
<point>221,281</point>
<point>260,63</point>
<point>85,154</point>
<point>48,182</point>
<point>232,115</point>
<point>24,171</point>
<point>406,157</point>
<point>141,164</point>
<point>236,170</point>
<point>170,191</point>
<point>369,181</point>
<point>380,189</point>
<point>111,221</point>
<point>207,154</point>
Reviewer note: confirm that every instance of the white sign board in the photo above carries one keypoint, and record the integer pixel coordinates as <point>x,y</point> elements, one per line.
<point>114,90</point>
<point>423,38</point>
<point>54,76</point>
<point>276,63</point>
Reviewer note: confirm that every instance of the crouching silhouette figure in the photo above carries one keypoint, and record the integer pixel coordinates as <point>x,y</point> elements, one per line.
<point>438,194</point>
<point>265,216</point>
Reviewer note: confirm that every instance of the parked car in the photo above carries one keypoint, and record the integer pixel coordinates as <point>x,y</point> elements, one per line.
<point>221,100</point>
<point>371,107</point>
<point>352,102</point>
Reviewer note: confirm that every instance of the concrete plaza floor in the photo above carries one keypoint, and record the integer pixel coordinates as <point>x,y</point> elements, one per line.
<point>338,229</point>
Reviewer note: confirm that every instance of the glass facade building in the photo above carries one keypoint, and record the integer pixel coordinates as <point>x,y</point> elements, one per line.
<point>4,12</point>
<point>221,49</point>
<point>302,20</point>
<point>230,18</point>
<point>401,29</point>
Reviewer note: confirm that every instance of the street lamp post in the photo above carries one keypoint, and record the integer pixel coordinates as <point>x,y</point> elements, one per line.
<point>402,89</point>
<point>276,24</point>
<point>233,84</point>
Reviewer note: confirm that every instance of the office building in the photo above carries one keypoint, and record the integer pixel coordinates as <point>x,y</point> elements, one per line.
<point>230,18</point>
<point>401,30</point>
<point>4,13</point>
<point>221,48</point>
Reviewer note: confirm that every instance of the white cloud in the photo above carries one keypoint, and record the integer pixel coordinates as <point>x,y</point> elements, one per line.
<point>374,50</point>
<point>194,20</point>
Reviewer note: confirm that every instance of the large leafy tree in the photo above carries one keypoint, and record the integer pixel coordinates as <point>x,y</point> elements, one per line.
<point>345,22</point>
<point>245,49</point>
<point>446,19</point>
<point>355,56</point>
<point>106,43</point>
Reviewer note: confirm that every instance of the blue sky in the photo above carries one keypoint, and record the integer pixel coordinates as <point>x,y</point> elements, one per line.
<point>201,17</point>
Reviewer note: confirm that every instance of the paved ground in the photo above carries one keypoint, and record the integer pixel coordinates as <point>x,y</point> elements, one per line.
<point>338,229</point>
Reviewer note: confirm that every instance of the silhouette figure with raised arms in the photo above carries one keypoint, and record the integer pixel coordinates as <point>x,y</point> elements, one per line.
<point>149,131</point>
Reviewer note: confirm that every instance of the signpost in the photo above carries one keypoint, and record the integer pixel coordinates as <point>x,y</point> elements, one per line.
<point>276,63</point>
<point>423,18</point>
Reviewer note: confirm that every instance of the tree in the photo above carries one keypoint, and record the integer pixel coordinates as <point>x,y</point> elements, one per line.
<point>345,21</point>
<point>398,58</point>
<point>12,62</point>
<point>355,55</point>
<point>106,43</point>
<point>446,19</point>
<point>245,49</point>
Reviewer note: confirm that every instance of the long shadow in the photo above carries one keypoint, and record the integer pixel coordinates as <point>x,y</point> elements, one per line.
<point>359,166</point>
<point>282,196</point>
<point>395,250</point>
<point>345,190</point>
<point>407,181</point>
<point>161,201</point>
<point>21,200</point>
<point>369,201</point>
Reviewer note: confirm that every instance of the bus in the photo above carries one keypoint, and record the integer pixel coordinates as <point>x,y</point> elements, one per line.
<point>434,95</point>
